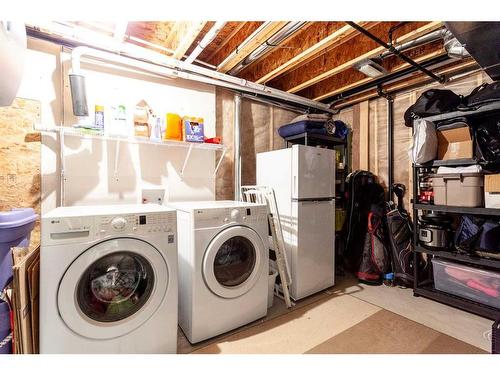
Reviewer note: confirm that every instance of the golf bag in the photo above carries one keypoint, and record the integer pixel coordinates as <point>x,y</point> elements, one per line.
<point>363,191</point>
<point>400,233</point>
<point>375,260</point>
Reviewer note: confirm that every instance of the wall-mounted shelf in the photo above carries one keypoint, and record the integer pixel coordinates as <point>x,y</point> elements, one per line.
<point>64,131</point>
<point>91,134</point>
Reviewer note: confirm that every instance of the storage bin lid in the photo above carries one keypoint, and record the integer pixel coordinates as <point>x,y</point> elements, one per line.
<point>17,217</point>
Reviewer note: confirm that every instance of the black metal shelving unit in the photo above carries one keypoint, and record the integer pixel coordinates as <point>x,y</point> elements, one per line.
<point>425,288</point>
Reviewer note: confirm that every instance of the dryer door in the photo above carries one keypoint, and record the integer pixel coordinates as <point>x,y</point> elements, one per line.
<point>112,288</point>
<point>233,261</point>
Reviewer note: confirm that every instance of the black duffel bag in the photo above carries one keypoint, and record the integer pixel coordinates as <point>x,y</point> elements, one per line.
<point>432,102</point>
<point>481,95</point>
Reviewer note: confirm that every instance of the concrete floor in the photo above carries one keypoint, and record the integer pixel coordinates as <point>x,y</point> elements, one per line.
<point>317,318</point>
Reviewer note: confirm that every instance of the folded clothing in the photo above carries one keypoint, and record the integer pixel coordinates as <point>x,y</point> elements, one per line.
<point>321,117</point>
<point>469,169</point>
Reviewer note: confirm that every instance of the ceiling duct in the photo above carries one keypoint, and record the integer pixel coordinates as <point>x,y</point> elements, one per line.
<point>453,47</point>
<point>424,39</point>
<point>274,41</point>
<point>481,39</point>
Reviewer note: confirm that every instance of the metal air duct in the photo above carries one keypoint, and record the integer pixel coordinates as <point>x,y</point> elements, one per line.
<point>288,30</point>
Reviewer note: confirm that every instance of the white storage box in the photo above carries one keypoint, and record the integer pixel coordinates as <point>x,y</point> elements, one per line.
<point>492,191</point>
<point>458,189</point>
<point>478,285</point>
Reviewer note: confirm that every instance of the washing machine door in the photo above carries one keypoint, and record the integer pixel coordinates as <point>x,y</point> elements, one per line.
<point>233,261</point>
<point>112,288</point>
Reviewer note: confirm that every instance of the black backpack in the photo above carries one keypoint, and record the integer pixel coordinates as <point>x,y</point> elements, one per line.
<point>432,102</point>
<point>486,135</point>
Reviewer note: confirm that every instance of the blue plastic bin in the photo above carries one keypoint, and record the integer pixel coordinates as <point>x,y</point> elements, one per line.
<point>15,230</point>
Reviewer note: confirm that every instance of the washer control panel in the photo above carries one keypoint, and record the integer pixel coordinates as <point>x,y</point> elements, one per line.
<point>215,217</point>
<point>142,224</point>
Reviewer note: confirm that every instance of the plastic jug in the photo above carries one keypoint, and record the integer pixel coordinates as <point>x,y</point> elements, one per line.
<point>173,129</point>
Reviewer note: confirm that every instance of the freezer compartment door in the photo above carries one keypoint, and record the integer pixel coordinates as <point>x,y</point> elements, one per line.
<point>313,172</point>
<point>313,248</point>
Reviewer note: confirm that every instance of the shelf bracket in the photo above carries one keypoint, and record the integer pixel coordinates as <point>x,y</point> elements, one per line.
<point>63,168</point>
<point>187,158</point>
<point>220,161</point>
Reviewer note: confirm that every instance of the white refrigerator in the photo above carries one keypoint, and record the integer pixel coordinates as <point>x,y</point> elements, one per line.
<point>303,179</point>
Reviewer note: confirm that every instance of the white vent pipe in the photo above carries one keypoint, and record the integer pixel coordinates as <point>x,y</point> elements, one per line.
<point>207,39</point>
<point>160,64</point>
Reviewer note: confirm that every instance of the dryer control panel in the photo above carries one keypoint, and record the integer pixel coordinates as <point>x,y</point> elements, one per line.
<point>130,224</point>
<point>216,217</point>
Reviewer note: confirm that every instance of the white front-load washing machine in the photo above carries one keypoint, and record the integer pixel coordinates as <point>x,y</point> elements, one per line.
<point>223,266</point>
<point>108,280</point>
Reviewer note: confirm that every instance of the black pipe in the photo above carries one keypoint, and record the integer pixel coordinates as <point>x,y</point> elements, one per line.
<point>395,51</point>
<point>390,141</point>
<point>394,28</point>
<point>382,80</point>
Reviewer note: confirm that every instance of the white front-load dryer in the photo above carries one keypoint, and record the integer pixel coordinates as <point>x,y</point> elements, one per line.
<point>108,280</point>
<point>223,266</point>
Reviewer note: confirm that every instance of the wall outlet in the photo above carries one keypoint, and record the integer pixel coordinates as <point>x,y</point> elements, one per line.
<point>153,196</point>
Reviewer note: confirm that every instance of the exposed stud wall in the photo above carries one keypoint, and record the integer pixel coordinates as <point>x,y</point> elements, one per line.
<point>256,121</point>
<point>20,158</point>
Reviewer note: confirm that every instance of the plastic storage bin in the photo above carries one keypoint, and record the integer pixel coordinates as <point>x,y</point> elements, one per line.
<point>478,285</point>
<point>15,229</point>
<point>458,189</point>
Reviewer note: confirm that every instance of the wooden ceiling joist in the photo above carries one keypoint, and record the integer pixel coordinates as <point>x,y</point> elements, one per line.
<point>188,38</point>
<point>257,38</point>
<point>341,35</point>
<point>223,42</point>
<point>297,82</point>
<point>400,67</point>
<point>418,79</point>
<point>232,41</point>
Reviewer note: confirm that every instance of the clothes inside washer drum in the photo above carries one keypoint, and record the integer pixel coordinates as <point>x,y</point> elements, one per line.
<point>235,261</point>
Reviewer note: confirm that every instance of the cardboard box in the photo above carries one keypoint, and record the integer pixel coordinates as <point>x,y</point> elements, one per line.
<point>492,190</point>
<point>454,144</point>
<point>193,129</point>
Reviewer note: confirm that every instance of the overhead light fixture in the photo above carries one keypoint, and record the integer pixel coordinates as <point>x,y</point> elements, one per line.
<point>371,68</point>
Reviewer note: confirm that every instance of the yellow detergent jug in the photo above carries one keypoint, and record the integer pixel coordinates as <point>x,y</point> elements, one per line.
<point>173,129</point>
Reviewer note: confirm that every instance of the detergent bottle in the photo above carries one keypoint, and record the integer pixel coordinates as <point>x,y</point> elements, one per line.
<point>173,129</point>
